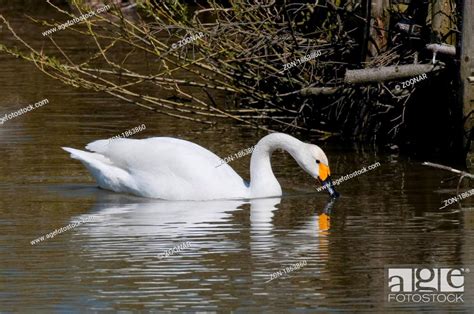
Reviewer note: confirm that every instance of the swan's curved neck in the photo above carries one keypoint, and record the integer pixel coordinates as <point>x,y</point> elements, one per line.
<point>262,180</point>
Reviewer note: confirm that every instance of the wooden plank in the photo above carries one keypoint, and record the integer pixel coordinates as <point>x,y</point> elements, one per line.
<point>442,48</point>
<point>442,20</point>
<point>388,73</point>
<point>315,91</point>
<point>379,24</point>
<point>467,65</point>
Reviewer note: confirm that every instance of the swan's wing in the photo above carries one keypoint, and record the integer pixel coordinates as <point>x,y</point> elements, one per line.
<point>172,168</point>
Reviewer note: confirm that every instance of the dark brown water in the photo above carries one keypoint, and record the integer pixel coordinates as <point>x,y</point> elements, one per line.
<point>388,216</point>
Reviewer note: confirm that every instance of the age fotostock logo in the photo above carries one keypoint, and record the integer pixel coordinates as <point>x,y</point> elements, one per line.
<point>425,285</point>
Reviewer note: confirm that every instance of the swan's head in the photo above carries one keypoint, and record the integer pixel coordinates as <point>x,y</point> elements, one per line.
<point>317,165</point>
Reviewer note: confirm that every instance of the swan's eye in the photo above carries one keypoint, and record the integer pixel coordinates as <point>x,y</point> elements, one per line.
<point>317,161</point>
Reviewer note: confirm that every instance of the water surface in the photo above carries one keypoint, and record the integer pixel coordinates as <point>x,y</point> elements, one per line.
<point>388,216</point>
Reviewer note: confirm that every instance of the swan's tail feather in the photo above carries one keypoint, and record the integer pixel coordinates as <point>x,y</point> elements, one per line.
<point>86,156</point>
<point>107,175</point>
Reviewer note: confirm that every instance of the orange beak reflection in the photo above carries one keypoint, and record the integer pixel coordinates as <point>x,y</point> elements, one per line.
<point>324,222</point>
<point>324,172</point>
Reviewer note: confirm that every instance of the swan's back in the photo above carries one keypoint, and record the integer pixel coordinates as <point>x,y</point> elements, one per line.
<point>161,167</point>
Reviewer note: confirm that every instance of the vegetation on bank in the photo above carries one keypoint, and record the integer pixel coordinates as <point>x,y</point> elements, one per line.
<point>243,48</point>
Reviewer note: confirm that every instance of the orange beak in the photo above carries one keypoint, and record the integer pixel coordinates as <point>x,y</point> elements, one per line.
<point>325,178</point>
<point>324,172</point>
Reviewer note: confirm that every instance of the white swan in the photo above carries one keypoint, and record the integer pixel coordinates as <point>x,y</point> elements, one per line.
<point>174,169</point>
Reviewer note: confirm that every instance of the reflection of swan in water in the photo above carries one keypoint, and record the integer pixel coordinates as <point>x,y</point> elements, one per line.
<point>169,223</point>
<point>262,213</point>
<point>152,226</point>
<point>262,216</point>
<point>121,249</point>
<point>324,217</point>
<point>274,247</point>
<point>140,230</point>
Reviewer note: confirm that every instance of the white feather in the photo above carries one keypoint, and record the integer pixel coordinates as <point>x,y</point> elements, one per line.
<point>174,169</point>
